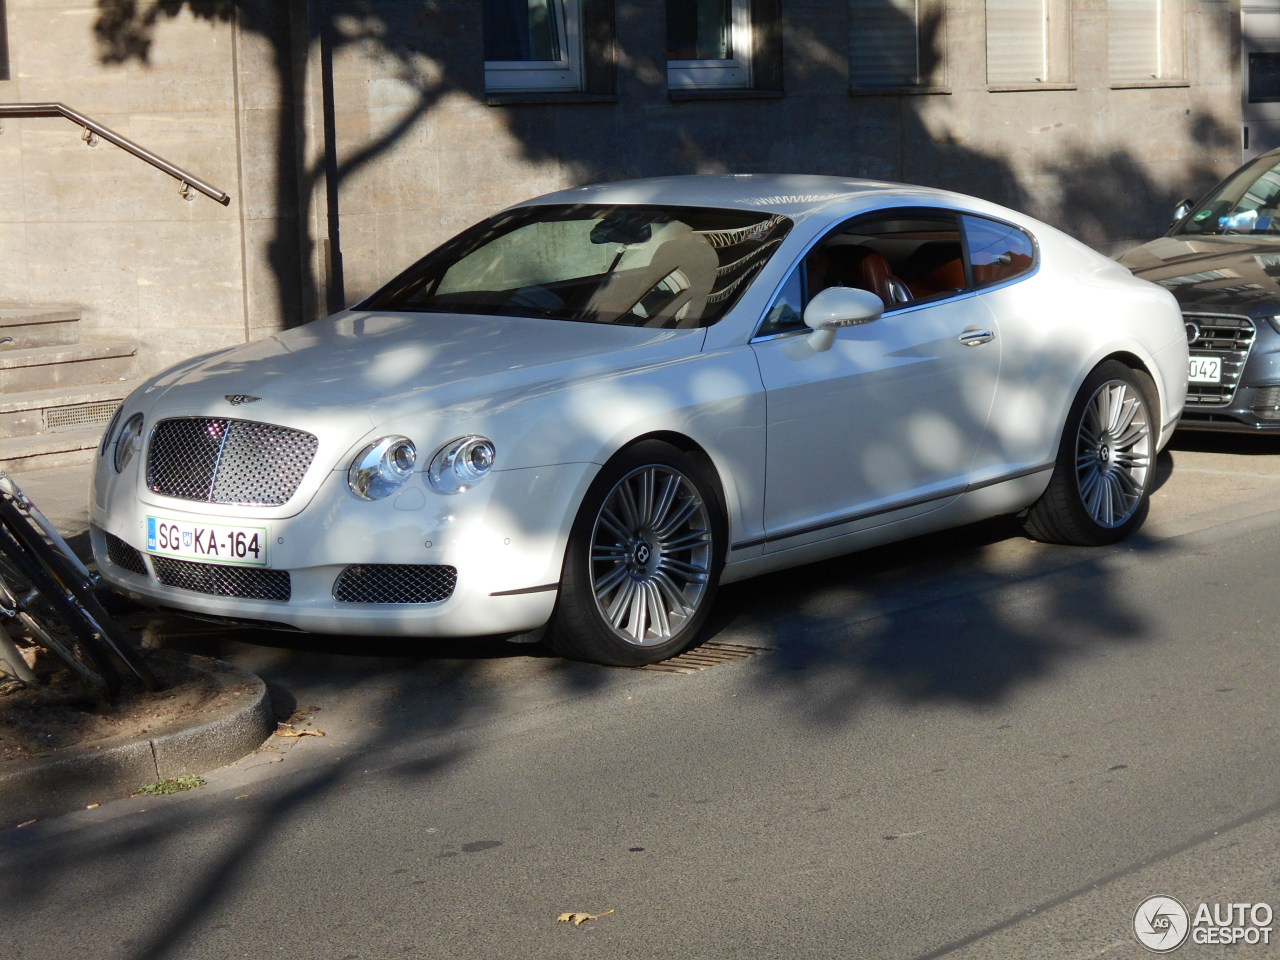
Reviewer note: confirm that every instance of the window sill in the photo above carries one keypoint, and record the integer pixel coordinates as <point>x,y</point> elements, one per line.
<point>899,90</point>
<point>1025,87</point>
<point>724,93</point>
<point>1149,84</point>
<point>550,96</point>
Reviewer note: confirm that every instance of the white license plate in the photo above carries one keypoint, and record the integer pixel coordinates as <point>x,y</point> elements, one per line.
<point>216,542</point>
<point>1205,370</point>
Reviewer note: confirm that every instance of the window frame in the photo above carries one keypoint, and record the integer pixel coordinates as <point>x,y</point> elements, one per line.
<point>1054,40</point>
<point>544,76</point>
<point>596,68</point>
<point>928,29</point>
<point>1170,43</point>
<point>732,73</point>
<point>761,58</point>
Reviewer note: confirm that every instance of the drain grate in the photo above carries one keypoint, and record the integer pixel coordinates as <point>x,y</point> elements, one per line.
<point>80,415</point>
<point>710,654</point>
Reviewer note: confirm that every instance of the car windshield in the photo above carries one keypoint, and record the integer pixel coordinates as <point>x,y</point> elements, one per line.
<point>1248,202</point>
<point>650,266</point>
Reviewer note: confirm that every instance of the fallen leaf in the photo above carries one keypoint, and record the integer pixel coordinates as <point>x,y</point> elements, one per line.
<point>578,919</point>
<point>286,730</point>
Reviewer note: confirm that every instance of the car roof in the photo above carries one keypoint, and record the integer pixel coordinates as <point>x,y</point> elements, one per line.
<point>792,195</point>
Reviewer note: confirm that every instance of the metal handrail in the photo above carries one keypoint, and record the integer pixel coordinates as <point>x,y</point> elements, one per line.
<point>92,128</point>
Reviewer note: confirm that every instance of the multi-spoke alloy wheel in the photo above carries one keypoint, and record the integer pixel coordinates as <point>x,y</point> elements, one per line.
<point>1102,477</point>
<point>1113,453</point>
<point>651,555</point>
<point>643,560</point>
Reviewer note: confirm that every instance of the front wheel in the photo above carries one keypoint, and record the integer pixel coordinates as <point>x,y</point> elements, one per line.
<point>643,560</point>
<point>1105,468</point>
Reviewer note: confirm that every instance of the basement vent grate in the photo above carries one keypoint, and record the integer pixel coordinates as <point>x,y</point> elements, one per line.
<point>81,415</point>
<point>710,654</point>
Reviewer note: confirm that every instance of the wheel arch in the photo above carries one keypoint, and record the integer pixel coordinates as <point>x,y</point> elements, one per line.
<point>700,455</point>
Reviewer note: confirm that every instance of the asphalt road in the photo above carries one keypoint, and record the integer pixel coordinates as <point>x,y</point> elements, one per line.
<point>968,746</point>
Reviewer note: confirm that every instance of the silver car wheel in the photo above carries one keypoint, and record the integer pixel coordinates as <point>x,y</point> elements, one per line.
<point>651,555</point>
<point>1113,453</point>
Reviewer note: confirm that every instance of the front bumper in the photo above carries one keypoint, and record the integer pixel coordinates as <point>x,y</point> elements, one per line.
<point>491,557</point>
<point>1255,408</point>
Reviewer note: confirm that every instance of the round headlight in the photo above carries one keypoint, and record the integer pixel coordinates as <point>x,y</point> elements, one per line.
<point>129,442</point>
<point>461,463</point>
<point>111,429</point>
<point>382,468</point>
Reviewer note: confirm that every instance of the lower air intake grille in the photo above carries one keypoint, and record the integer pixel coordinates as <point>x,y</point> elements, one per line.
<point>124,556</point>
<point>395,583</point>
<point>221,580</point>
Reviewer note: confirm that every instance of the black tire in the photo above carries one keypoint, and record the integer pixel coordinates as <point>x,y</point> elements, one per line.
<point>38,611</point>
<point>1102,479</point>
<point>643,561</point>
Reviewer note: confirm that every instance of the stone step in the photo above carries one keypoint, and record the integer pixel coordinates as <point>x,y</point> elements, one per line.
<point>42,326</point>
<point>66,365</point>
<point>60,409</point>
<point>49,450</point>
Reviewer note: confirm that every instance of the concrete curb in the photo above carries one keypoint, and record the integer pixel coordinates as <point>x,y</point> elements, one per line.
<point>78,776</point>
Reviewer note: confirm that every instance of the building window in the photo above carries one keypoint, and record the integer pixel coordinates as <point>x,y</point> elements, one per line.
<point>723,45</point>
<point>532,45</point>
<point>1145,40</point>
<point>708,44</point>
<point>1028,42</point>
<point>4,44</point>
<point>896,43</point>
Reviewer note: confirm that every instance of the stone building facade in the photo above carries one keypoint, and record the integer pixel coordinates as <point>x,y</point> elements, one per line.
<point>354,134</point>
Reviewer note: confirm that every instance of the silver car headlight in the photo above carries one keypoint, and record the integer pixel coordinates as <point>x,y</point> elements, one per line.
<point>382,468</point>
<point>461,463</point>
<point>129,442</point>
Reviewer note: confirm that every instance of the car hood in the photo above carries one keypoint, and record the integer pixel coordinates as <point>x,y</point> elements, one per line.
<point>371,367</point>
<point>1234,274</point>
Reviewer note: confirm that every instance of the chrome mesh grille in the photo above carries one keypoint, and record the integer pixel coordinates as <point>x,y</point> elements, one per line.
<point>217,460</point>
<point>222,580</point>
<point>1226,337</point>
<point>124,556</point>
<point>395,583</point>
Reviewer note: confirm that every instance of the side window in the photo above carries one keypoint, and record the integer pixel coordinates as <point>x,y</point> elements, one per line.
<point>998,252</point>
<point>905,257</point>
<point>548,47</point>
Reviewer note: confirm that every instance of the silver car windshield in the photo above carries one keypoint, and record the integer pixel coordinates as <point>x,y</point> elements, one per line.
<point>1246,203</point>
<point>651,266</point>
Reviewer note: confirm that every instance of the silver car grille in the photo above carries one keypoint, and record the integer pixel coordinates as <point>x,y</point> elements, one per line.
<point>223,580</point>
<point>395,583</point>
<point>1219,335</point>
<point>217,460</point>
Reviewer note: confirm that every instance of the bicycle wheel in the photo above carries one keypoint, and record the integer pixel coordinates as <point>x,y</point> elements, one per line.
<point>39,610</point>
<point>79,590</point>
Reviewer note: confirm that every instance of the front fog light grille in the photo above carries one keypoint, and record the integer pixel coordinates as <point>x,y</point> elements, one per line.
<point>395,583</point>
<point>221,580</point>
<point>124,556</point>
<point>1266,403</point>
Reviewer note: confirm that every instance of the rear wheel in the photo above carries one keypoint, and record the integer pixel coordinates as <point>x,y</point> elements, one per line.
<point>643,560</point>
<point>1102,479</point>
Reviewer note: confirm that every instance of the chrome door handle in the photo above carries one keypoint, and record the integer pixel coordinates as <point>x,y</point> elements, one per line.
<point>975,338</point>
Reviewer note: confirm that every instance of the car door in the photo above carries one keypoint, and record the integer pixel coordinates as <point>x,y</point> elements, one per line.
<point>886,422</point>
